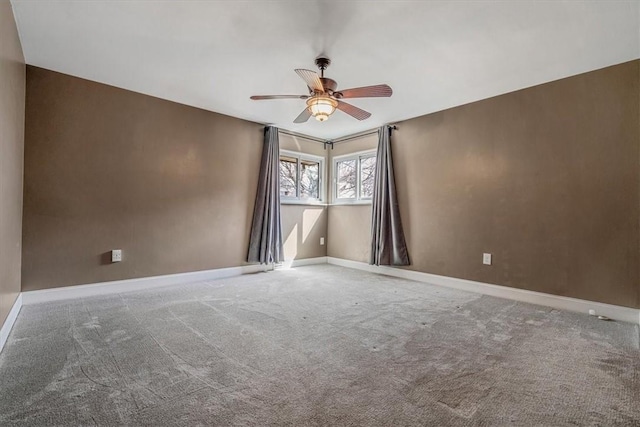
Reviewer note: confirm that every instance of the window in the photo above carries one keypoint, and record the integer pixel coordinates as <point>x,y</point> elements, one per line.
<point>300,176</point>
<point>354,177</point>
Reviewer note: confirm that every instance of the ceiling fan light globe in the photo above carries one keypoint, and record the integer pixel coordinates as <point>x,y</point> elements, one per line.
<point>321,107</point>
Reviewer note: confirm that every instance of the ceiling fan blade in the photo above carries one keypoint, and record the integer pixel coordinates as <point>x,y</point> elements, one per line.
<point>353,111</point>
<point>311,78</point>
<point>303,117</point>
<point>377,91</point>
<point>261,97</point>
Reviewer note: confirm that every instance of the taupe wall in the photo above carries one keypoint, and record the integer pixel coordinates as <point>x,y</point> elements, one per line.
<point>302,228</point>
<point>349,232</point>
<point>172,186</point>
<point>546,179</point>
<point>12,98</point>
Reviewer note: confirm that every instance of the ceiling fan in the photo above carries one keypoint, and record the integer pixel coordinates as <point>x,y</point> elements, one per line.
<point>324,98</point>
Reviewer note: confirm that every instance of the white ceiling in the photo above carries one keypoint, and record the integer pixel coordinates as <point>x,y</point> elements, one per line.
<point>435,55</point>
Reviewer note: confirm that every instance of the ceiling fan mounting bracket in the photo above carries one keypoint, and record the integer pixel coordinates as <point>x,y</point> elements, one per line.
<point>322,64</point>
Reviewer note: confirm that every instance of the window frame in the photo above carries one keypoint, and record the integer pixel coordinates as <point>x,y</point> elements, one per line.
<point>299,156</point>
<point>357,156</point>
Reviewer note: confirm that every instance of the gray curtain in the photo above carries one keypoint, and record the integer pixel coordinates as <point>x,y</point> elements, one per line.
<point>388,246</point>
<point>265,244</point>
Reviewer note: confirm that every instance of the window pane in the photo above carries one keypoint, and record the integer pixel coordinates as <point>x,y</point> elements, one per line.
<point>346,179</point>
<point>309,179</point>
<point>367,176</point>
<point>288,176</point>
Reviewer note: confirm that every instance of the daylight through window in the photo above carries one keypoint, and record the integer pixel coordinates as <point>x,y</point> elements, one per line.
<point>354,177</point>
<point>300,176</point>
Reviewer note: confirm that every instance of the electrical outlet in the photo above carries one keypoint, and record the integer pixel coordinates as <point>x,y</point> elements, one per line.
<point>116,255</point>
<point>486,259</point>
<point>322,240</point>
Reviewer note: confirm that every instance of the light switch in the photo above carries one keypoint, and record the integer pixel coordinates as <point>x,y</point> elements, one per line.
<point>116,255</point>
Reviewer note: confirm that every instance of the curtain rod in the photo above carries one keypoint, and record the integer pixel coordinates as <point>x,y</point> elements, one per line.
<point>299,135</point>
<point>360,134</point>
<point>334,141</point>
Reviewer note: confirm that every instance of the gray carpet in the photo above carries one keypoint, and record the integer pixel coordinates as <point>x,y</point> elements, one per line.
<point>317,345</point>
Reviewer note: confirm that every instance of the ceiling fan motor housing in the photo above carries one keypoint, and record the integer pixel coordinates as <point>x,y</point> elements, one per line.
<point>329,85</point>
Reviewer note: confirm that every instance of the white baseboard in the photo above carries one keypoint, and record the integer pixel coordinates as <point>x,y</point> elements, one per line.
<point>625,314</point>
<point>616,312</point>
<point>11,319</point>
<point>117,286</point>
<point>300,262</point>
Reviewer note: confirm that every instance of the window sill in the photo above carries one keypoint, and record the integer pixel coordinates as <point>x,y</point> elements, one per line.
<point>303,202</point>
<point>354,203</point>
